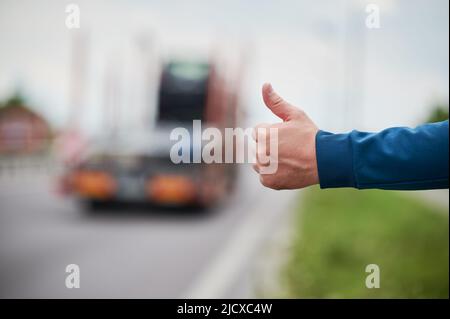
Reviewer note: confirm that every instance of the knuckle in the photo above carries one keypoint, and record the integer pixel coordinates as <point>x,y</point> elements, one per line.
<point>277,101</point>
<point>264,181</point>
<point>269,181</point>
<point>260,131</point>
<point>276,186</point>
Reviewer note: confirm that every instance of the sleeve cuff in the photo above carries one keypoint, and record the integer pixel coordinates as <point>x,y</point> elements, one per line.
<point>334,160</point>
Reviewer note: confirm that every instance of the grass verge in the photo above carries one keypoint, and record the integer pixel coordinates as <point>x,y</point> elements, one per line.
<point>341,231</point>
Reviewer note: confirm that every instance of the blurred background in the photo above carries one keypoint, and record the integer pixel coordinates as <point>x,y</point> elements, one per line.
<point>85,173</point>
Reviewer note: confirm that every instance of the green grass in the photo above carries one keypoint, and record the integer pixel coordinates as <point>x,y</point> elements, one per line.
<point>339,232</point>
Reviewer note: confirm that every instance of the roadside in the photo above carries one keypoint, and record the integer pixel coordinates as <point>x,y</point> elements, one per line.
<point>322,249</point>
<point>268,266</point>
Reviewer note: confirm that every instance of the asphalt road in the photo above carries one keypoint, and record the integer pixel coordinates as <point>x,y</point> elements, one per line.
<point>131,252</point>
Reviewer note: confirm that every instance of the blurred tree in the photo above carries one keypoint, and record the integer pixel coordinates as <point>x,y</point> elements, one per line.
<point>438,113</point>
<point>17,99</point>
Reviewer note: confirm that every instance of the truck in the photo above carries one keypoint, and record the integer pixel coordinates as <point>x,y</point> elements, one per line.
<point>136,166</point>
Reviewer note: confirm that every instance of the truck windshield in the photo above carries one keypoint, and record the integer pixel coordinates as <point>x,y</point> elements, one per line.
<point>183,92</point>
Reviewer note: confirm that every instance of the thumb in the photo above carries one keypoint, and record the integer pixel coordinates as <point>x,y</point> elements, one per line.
<point>276,104</point>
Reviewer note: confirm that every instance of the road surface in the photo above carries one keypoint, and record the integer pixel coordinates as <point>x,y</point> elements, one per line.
<point>131,252</point>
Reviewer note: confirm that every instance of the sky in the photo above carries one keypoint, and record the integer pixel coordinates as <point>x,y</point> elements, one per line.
<point>319,55</point>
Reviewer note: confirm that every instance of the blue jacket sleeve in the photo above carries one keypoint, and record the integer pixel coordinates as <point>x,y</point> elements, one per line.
<point>397,158</point>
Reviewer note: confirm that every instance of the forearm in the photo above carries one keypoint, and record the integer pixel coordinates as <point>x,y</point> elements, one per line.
<point>396,158</point>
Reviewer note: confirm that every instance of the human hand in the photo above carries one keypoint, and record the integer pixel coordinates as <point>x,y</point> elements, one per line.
<point>297,165</point>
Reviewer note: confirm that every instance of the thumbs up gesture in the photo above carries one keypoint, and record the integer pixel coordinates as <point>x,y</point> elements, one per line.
<point>297,165</point>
